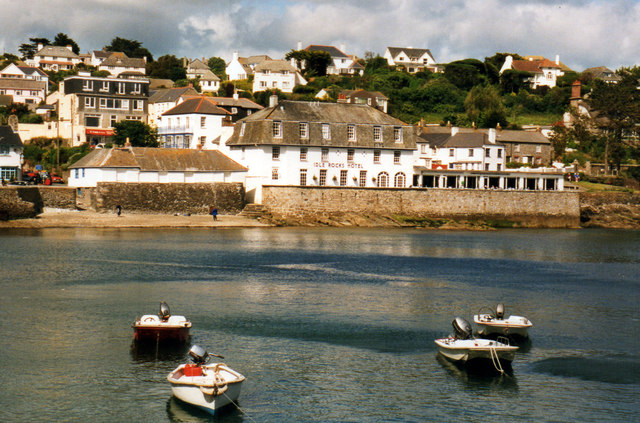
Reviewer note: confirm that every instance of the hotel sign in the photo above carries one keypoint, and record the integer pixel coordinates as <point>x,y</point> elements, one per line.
<point>334,165</point>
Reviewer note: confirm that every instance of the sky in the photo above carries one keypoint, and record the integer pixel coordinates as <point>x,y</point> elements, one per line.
<point>584,33</point>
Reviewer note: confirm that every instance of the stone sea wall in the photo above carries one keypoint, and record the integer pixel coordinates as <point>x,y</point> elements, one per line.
<point>548,209</point>
<point>19,202</point>
<point>228,198</point>
<point>620,210</point>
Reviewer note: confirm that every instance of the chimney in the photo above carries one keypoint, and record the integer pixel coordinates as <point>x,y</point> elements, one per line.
<point>492,136</point>
<point>69,47</point>
<point>299,45</point>
<point>273,101</point>
<point>454,130</point>
<point>235,55</point>
<point>342,47</point>
<point>498,127</point>
<point>558,59</point>
<point>235,96</point>
<point>40,46</point>
<point>576,89</point>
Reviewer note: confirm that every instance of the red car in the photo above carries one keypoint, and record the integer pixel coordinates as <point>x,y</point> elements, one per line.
<point>57,179</point>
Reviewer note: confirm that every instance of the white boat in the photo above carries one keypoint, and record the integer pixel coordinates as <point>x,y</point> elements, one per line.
<point>206,386</point>
<point>495,323</point>
<point>460,347</point>
<point>162,327</point>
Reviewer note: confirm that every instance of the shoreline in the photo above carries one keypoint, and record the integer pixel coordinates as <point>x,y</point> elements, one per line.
<point>60,218</point>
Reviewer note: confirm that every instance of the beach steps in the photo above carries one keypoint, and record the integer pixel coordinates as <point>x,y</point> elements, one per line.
<point>254,211</point>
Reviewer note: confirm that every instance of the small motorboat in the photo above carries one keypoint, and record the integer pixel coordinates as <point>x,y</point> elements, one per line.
<point>494,323</point>
<point>206,386</point>
<point>162,327</point>
<point>461,347</point>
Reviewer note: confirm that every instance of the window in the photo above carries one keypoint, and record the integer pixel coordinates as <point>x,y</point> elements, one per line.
<point>274,84</point>
<point>397,134</point>
<point>105,86</point>
<point>285,72</point>
<point>203,121</point>
<point>242,128</point>
<point>303,177</point>
<point>376,156</point>
<point>324,155</point>
<point>265,71</point>
<point>263,84</point>
<point>120,87</point>
<point>516,147</point>
<point>137,104</point>
<point>103,103</point>
<point>275,153</point>
<point>451,152</point>
<point>203,140</point>
<point>234,110</point>
<point>471,152</point>
<point>351,132</point>
<point>326,131</point>
<point>396,157</point>
<point>90,102</point>
<point>136,88</point>
<point>87,85</point>
<point>377,134</point>
<point>423,148</point>
<point>383,180</point>
<point>303,154</point>
<point>323,177</point>
<point>274,174</point>
<point>487,152</point>
<point>304,130</point>
<point>277,129</point>
<point>499,153</point>
<point>124,104</point>
<point>363,178</point>
<point>486,166</point>
<point>113,120</point>
<point>350,153</point>
<point>399,180</point>
<point>538,148</point>
<point>499,167</point>
<point>343,178</point>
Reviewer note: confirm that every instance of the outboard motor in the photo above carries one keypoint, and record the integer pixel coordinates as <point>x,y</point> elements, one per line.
<point>198,354</point>
<point>462,328</point>
<point>164,312</point>
<point>499,311</point>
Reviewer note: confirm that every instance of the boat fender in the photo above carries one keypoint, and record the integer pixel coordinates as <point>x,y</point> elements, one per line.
<point>500,311</point>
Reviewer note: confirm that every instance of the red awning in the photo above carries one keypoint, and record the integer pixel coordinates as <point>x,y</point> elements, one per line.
<point>105,132</point>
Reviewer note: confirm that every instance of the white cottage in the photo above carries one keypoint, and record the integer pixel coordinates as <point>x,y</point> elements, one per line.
<point>323,144</point>
<point>11,149</point>
<point>154,165</point>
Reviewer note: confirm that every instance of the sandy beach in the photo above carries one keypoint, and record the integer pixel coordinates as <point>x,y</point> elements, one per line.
<point>58,218</point>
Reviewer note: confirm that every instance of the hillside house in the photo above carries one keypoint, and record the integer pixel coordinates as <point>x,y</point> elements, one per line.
<point>11,149</point>
<point>412,59</point>
<point>276,74</point>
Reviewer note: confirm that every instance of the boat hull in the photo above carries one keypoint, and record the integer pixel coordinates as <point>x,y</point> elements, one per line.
<point>218,387</point>
<point>474,349</point>
<point>161,334</point>
<point>513,326</point>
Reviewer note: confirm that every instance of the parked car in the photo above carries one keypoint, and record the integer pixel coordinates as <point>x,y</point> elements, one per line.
<point>57,179</point>
<point>31,178</point>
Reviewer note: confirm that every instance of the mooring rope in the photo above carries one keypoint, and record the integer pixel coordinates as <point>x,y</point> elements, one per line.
<point>494,358</point>
<point>239,408</point>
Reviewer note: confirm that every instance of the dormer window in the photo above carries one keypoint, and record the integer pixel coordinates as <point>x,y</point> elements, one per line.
<point>87,85</point>
<point>377,134</point>
<point>105,86</point>
<point>304,130</point>
<point>397,134</point>
<point>351,132</point>
<point>120,87</point>
<point>277,129</point>
<point>326,131</point>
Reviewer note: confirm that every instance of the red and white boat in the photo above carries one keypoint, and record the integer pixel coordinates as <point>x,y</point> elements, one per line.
<point>161,327</point>
<point>206,386</point>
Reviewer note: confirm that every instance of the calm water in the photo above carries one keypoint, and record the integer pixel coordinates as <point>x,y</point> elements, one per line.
<point>328,325</point>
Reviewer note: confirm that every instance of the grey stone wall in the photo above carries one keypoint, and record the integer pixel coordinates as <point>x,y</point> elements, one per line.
<point>553,209</point>
<point>228,198</point>
<point>19,202</point>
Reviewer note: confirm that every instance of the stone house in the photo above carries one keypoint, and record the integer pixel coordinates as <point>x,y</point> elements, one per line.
<point>372,98</point>
<point>154,165</point>
<point>322,144</point>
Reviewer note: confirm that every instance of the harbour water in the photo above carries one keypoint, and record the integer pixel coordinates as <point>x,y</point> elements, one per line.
<point>328,325</point>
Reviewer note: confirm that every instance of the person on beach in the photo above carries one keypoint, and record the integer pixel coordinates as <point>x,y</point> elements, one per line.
<point>214,213</point>
<point>118,209</point>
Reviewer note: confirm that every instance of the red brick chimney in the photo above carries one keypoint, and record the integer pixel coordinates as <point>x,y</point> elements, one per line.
<point>576,89</point>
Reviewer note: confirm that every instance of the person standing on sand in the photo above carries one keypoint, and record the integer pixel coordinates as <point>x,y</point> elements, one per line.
<point>214,213</point>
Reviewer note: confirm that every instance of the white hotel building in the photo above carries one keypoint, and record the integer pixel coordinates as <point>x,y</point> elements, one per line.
<point>323,144</point>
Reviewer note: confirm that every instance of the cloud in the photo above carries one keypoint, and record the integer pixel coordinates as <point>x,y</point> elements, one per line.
<point>583,32</point>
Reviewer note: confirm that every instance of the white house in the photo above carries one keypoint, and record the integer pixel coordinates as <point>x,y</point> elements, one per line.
<point>96,57</point>
<point>163,99</point>
<point>413,59</point>
<point>323,144</point>
<point>55,58</point>
<point>240,68</point>
<point>11,149</point>
<point>209,81</point>
<point>342,63</point>
<point>25,84</point>
<point>544,72</point>
<point>119,63</point>
<point>276,74</point>
<point>157,165</point>
<point>196,123</point>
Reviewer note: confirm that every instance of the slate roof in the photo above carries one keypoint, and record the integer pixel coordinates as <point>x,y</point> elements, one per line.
<point>275,66</point>
<point>411,52</point>
<point>258,127</point>
<point>56,51</point>
<point>170,95</point>
<point>9,138</point>
<point>22,84</point>
<point>159,159</point>
<point>363,94</point>
<point>604,73</point>
<point>232,102</point>
<point>333,51</point>
<point>101,53</point>
<point>253,60</point>
<point>207,75</point>
<point>197,64</point>
<point>200,105</point>
<point>563,67</point>
<point>502,135</point>
<point>122,60</point>
<point>30,70</point>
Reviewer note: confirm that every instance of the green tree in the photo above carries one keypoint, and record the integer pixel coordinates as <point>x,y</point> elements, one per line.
<point>8,58</point>
<point>484,107</point>
<point>28,50</point>
<point>167,67</point>
<point>138,133</point>
<point>619,115</point>
<point>63,40</point>
<point>312,63</point>
<point>514,81</point>
<point>218,66</point>
<point>466,73</point>
<point>131,48</point>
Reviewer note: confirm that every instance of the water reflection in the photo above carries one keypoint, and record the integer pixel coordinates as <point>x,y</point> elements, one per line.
<point>179,412</point>
<point>142,352</point>
<point>480,373</point>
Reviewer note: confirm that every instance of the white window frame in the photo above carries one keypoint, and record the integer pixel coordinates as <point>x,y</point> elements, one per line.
<point>377,133</point>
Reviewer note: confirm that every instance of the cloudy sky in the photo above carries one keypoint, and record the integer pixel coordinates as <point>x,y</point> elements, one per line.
<point>583,33</point>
